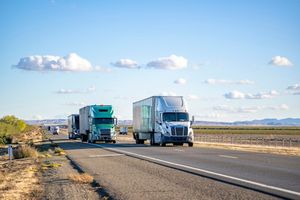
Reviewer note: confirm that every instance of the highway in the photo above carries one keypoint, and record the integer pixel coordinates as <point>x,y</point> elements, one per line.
<point>130,171</point>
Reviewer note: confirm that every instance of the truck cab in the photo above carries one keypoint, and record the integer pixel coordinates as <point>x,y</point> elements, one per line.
<point>97,123</point>
<point>162,120</point>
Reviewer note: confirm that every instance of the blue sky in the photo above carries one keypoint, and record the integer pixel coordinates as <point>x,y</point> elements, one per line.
<point>231,60</point>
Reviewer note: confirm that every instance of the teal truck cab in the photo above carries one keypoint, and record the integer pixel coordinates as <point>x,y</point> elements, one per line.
<point>97,123</point>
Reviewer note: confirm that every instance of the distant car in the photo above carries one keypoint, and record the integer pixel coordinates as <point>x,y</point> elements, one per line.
<point>123,130</point>
<point>55,130</point>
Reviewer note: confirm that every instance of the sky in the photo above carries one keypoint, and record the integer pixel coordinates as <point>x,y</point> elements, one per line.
<point>231,60</point>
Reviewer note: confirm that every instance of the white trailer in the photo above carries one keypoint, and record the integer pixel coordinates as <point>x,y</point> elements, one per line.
<point>73,126</point>
<point>162,120</point>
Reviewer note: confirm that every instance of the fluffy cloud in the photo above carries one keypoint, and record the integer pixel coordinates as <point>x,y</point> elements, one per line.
<point>220,81</point>
<point>192,97</point>
<point>172,62</point>
<point>71,62</point>
<point>167,94</point>
<point>76,103</point>
<point>294,89</point>
<point>180,81</point>
<point>71,91</point>
<point>260,95</point>
<point>126,63</point>
<point>253,109</point>
<point>281,61</point>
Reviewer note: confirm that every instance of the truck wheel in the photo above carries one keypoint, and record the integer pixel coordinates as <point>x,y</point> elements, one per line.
<point>70,136</point>
<point>191,144</point>
<point>114,141</point>
<point>163,144</point>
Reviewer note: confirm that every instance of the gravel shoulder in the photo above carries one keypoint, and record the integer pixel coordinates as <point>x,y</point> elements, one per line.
<point>57,184</point>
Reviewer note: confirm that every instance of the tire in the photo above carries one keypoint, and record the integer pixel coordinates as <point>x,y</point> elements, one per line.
<point>191,144</point>
<point>70,136</point>
<point>163,144</point>
<point>114,141</point>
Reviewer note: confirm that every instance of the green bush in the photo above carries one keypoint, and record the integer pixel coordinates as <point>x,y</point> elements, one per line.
<point>9,127</point>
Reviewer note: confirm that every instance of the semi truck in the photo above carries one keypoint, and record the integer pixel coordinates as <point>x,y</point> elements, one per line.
<point>73,126</point>
<point>162,120</point>
<point>97,123</point>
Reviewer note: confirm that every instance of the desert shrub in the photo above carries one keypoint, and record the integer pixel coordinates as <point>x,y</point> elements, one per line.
<point>81,178</point>
<point>58,150</point>
<point>10,126</point>
<point>25,151</point>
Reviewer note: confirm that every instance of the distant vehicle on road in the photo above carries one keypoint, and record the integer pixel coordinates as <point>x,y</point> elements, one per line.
<point>97,123</point>
<point>123,130</point>
<point>162,120</point>
<point>54,130</point>
<point>73,126</point>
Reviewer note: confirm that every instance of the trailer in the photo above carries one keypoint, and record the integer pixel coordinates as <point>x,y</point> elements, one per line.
<point>97,123</point>
<point>162,120</point>
<point>73,126</point>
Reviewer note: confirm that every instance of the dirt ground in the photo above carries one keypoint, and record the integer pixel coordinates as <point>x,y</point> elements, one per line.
<point>51,176</point>
<point>57,184</point>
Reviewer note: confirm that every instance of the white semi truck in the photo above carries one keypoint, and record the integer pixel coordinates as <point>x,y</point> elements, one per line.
<point>97,123</point>
<point>162,120</point>
<point>73,126</point>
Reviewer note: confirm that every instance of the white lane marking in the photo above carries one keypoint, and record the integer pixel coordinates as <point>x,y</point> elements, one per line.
<point>203,170</point>
<point>178,150</point>
<point>106,155</point>
<point>226,156</point>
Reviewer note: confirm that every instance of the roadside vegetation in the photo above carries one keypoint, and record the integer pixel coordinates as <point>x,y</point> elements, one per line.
<point>257,130</point>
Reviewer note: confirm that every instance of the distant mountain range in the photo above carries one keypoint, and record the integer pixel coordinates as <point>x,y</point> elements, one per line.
<point>262,122</point>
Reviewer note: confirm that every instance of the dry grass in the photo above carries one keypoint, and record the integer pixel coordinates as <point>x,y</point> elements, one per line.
<point>49,165</point>
<point>252,148</point>
<point>20,180</point>
<point>25,151</point>
<point>81,178</point>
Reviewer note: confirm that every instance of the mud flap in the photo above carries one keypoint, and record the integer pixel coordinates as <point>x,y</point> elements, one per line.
<point>157,138</point>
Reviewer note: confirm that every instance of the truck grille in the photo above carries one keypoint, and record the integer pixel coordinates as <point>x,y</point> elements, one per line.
<point>105,132</point>
<point>179,131</point>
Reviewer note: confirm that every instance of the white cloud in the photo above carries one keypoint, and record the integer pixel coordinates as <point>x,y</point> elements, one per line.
<point>71,62</point>
<point>294,89</point>
<point>192,97</point>
<point>261,95</point>
<point>172,62</point>
<point>71,91</point>
<point>220,81</point>
<point>167,94</point>
<point>180,81</point>
<point>126,63</point>
<point>253,109</point>
<point>234,95</point>
<point>102,69</point>
<point>281,61</point>
<point>213,115</point>
<point>76,103</point>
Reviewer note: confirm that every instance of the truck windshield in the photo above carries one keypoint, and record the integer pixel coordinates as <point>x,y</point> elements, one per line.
<point>103,120</point>
<point>176,117</point>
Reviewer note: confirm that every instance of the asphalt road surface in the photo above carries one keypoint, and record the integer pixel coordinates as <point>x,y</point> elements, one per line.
<point>130,171</point>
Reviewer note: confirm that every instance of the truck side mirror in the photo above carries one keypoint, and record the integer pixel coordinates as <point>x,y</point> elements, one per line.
<point>193,119</point>
<point>116,121</point>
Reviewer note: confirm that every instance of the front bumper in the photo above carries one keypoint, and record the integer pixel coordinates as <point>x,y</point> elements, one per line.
<point>176,139</point>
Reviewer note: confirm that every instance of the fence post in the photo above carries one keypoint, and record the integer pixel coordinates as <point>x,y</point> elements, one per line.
<point>10,152</point>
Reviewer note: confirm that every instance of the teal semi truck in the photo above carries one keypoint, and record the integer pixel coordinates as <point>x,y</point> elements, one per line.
<point>97,123</point>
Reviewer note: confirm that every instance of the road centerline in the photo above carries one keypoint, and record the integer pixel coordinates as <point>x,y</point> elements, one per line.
<point>106,155</point>
<point>227,156</point>
<point>241,181</point>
